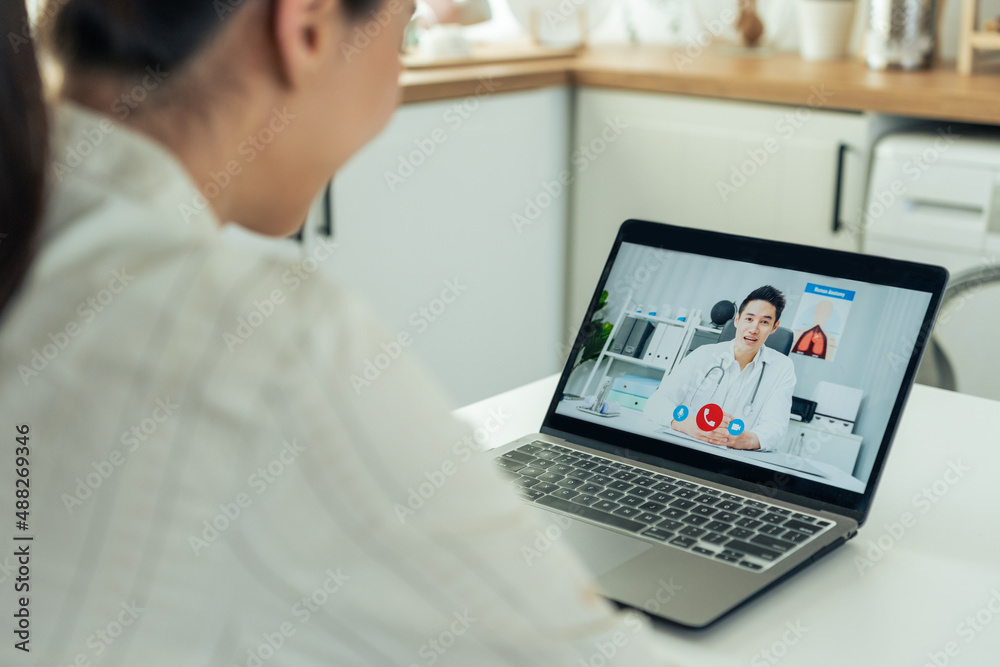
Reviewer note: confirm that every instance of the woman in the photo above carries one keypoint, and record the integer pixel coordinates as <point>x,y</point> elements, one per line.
<point>206,485</point>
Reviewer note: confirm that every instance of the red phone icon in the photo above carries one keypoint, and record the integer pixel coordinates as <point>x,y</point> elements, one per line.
<point>709,417</point>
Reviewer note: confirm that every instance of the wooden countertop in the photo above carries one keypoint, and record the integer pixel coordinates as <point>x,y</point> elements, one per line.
<point>940,93</point>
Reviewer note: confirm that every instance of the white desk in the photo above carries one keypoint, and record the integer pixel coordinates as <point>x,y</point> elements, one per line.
<point>913,599</point>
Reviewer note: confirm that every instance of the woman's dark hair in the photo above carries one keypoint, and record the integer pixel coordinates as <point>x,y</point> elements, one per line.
<point>127,36</point>
<point>23,148</point>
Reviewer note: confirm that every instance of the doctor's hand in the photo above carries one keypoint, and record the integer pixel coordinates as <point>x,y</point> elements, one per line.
<point>745,440</point>
<point>717,436</point>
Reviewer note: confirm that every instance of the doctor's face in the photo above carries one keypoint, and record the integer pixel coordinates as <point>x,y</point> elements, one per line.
<point>754,325</point>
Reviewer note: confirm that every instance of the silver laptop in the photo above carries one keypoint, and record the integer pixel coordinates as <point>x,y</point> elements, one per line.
<point>724,415</point>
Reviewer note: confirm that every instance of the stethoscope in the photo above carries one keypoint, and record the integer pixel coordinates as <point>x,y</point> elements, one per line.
<point>749,408</point>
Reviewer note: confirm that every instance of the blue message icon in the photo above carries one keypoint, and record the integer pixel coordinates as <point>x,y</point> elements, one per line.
<point>681,413</point>
<point>736,427</point>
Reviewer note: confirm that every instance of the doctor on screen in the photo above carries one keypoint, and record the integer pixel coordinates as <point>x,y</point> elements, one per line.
<point>736,393</point>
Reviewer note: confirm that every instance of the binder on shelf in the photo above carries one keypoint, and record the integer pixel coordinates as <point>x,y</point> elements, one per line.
<point>621,337</point>
<point>654,342</point>
<point>638,338</point>
<point>669,347</point>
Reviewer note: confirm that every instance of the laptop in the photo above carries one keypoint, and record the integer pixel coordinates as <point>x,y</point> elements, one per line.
<point>670,457</point>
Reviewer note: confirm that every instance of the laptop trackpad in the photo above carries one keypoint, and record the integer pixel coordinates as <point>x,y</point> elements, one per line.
<point>601,550</point>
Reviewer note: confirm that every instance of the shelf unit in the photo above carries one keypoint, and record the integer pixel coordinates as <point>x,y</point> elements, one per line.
<point>689,326</point>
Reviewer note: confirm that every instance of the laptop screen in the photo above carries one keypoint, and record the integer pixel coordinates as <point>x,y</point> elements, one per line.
<point>795,373</point>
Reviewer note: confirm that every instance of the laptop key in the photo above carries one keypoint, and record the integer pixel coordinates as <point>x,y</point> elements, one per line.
<point>550,477</point>
<point>703,551</point>
<point>803,517</point>
<point>530,494</point>
<point>703,510</point>
<point>670,524</point>
<point>610,494</point>
<point>666,487</point>
<point>587,465</point>
<point>685,493</point>
<point>674,513</point>
<point>692,531</point>
<point>545,487</point>
<point>694,520</point>
<point>772,543</point>
<point>591,488</point>
<point>546,454</point>
<point>658,534</point>
<point>531,471</point>
<point>727,516</point>
<point>581,474</point>
<point>772,518</point>
<point>605,505</point>
<point>568,458</point>
<point>794,536</point>
<point>525,482</point>
<point>682,541</point>
<point>641,491</point>
<point>754,550</point>
<point>747,522</point>
<point>619,485</point>
<point>570,483</point>
<point>680,503</point>
<point>625,476</point>
<point>528,449</point>
<point>630,501</point>
<point>601,479</point>
<point>626,511</point>
<point>509,465</point>
<point>728,505</point>
<point>585,499</point>
<point>644,481</point>
<point>741,533</point>
<point>592,514</point>
<point>661,497</point>
<point>718,526</point>
<point>706,499</point>
<point>561,469</point>
<point>771,529</point>
<point>792,524</point>
<point>651,507</point>
<point>565,494</point>
<point>605,470</point>
<point>729,558</point>
<point>647,517</point>
<point>751,512</point>
<point>751,566</point>
<point>715,538</point>
<point>520,457</point>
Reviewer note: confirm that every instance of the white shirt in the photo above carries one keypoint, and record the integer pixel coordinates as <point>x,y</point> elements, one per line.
<point>711,374</point>
<point>207,485</point>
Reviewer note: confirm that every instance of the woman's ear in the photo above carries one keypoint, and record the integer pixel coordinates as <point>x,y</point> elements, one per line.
<point>304,31</point>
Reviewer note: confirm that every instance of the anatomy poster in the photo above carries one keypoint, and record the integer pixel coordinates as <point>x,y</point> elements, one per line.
<point>820,321</point>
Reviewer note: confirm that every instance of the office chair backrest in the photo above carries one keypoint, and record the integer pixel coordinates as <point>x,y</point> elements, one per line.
<point>780,340</point>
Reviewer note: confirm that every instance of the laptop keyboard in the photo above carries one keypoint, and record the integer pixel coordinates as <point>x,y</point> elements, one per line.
<point>726,527</point>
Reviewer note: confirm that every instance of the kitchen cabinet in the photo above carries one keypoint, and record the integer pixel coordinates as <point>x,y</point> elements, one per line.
<point>425,218</point>
<point>773,171</point>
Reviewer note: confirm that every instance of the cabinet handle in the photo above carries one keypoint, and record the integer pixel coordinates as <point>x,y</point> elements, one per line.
<point>328,211</point>
<point>839,186</point>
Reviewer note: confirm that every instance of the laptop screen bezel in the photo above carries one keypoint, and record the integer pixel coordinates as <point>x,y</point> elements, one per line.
<point>820,261</point>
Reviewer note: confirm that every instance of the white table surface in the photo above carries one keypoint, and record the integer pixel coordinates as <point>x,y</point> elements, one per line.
<point>914,601</point>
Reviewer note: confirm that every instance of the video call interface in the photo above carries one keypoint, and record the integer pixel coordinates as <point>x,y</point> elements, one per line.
<point>786,370</point>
